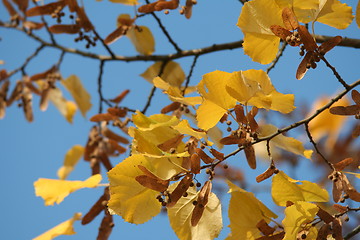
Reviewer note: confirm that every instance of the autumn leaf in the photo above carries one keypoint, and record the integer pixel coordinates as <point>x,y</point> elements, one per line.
<point>245,211</point>
<point>286,189</point>
<point>253,87</point>
<point>358,14</point>
<point>184,128</point>
<point>172,73</point>
<point>79,93</point>
<point>128,198</point>
<point>142,38</point>
<point>286,143</point>
<point>53,190</point>
<point>126,2</point>
<point>72,157</point>
<point>210,223</point>
<point>64,228</point>
<point>216,102</point>
<point>296,216</point>
<point>255,21</point>
<point>65,107</point>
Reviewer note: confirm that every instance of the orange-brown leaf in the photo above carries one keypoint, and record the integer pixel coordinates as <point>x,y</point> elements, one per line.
<point>250,156</point>
<point>103,117</point>
<point>120,97</point>
<point>118,112</point>
<point>289,19</point>
<point>280,31</point>
<point>45,9</point>
<point>329,44</point>
<point>265,175</point>
<point>64,28</point>
<point>171,143</point>
<point>355,95</point>
<point>171,107</point>
<point>303,66</point>
<point>180,189</point>
<point>201,203</point>
<point>307,39</point>
<point>264,228</point>
<point>345,110</point>
<point>343,164</point>
<point>115,35</point>
<point>195,163</point>
<point>206,158</point>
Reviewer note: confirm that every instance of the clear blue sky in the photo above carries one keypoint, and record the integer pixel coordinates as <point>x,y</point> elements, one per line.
<point>36,150</point>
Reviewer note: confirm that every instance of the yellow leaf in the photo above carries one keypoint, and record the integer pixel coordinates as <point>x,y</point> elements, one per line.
<point>358,14</point>
<point>71,159</point>
<point>65,107</point>
<point>142,38</point>
<point>143,122</point>
<point>126,2</point>
<point>79,93</point>
<point>355,174</point>
<point>128,198</point>
<point>286,189</point>
<point>172,73</point>
<point>64,228</point>
<point>255,20</point>
<point>53,190</point>
<point>334,13</point>
<point>326,124</point>
<point>210,223</point>
<point>253,87</point>
<point>175,93</point>
<point>286,143</point>
<point>216,100</point>
<point>296,216</point>
<point>245,211</point>
<point>184,128</point>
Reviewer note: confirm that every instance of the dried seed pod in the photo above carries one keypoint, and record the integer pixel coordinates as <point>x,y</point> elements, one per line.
<point>9,7</point>
<point>325,216</point>
<point>151,181</point>
<point>250,156</point>
<point>264,228</point>
<point>148,8</point>
<point>106,227</point>
<point>206,158</point>
<point>239,114</point>
<point>303,66</point>
<point>33,25</point>
<point>97,208</point>
<point>195,163</point>
<point>64,28</point>
<point>3,92</point>
<point>201,203</point>
<point>118,112</point>
<point>339,166</point>
<point>116,146</point>
<point>329,44</point>
<point>345,110</point>
<point>26,98</point>
<point>307,39</point>
<point>281,32</point>
<point>265,175</point>
<point>324,231</point>
<point>115,35</point>
<point>46,9</point>
<point>180,189</point>
<point>171,107</point>
<point>289,19</point>
<point>110,134</point>
<point>355,95</point>
<point>171,143</point>
<point>218,155</point>
<point>103,117</point>
<point>161,5</point>
<point>84,20</point>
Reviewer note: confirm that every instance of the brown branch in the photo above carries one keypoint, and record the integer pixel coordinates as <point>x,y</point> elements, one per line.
<point>337,75</point>
<point>101,97</point>
<point>190,73</point>
<point>279,54</point>
<point>112,54</point>
<point>352,233</point>
<point>346,42</point>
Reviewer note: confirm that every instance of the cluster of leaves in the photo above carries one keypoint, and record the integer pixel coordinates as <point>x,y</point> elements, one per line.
<point>170,150</point>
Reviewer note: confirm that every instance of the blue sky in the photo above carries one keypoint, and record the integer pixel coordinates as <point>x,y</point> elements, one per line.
<point>36,150</point>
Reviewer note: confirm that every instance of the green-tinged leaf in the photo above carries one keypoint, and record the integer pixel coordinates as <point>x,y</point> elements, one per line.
<point>245,211</point>
<point>142,38</point>
<point>64,228</point>
<point>72,157</point>
<point>210,223</point>
<point>172,73</point>
<point>53,190</point>
<point>286,143</point>
<point>79,93</point>
<point>296,217</point>
<point>286,189</point>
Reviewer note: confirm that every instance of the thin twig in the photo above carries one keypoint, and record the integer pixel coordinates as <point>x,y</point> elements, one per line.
<point>352,233</point>
<point>152,92</point>
<point>27,60</point>
<point>279,54</point>
<point>165,31</point>
<point>61,58</point>
<point>101,97</point>
<point>112,54</point>
<point>337,75</point>
<point>46,26</point>
<point>316,148</point>
<point>190,73</point>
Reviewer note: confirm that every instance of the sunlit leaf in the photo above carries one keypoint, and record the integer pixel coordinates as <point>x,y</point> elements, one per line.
<point>64,228</point>
<point>184,128</point>
<point>286,189</point>
<point>210,223</point>
<point>286,143</point>
<point>255,20</point>
<point>79,93</point>
<point>296,216</point>
<point>126,2</point>
<point>53,190</point>
<point>334,13</point>
<point>216,102</point>
<point>128,198</point>
<point>65,107</point>
<point>72,157</point>
<point>245,211</point>
<point>253,87</point>
<point>172,73</point>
